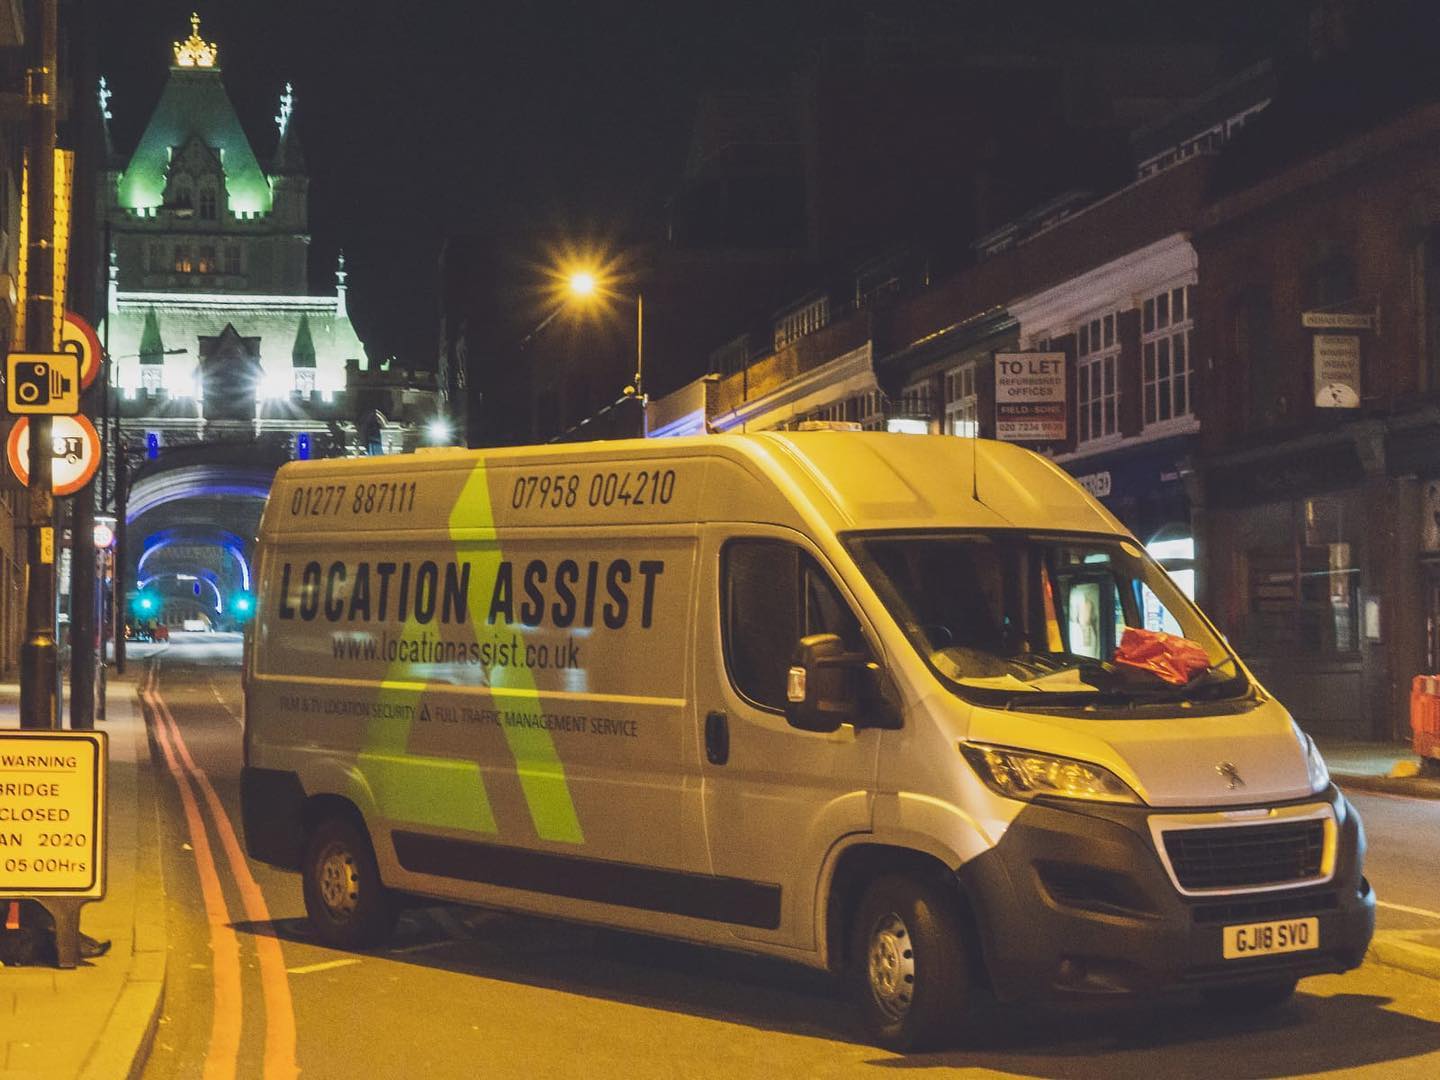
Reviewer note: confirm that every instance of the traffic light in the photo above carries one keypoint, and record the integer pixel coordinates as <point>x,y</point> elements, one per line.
<point>145,605</point>
<point>242,606</point>
<point>302,446</point>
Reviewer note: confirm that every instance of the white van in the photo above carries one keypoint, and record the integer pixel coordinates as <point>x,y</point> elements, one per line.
<point>844,698</point>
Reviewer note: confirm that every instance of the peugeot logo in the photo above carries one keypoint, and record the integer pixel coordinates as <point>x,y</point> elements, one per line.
<point>1229,772</point>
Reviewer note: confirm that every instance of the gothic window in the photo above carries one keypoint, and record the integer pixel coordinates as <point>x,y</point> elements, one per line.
<point>151,377</point>
<point>182,259</point>
<point>205,263</point>
<point>305,381</point>
<point>157,258</point>
<point>232,258</point>
<point>207,204</point>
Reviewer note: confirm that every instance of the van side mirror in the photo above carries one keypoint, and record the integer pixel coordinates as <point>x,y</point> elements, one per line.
<point>827,686</point>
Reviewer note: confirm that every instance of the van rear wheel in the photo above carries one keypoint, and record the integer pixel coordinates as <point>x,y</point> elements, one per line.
<point>348,906</point>
<point>909,966</point>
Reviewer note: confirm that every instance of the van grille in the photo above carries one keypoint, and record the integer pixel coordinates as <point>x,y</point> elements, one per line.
<point>1243,856</point>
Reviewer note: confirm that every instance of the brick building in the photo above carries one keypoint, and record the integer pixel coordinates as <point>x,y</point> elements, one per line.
<point>1251,342</point>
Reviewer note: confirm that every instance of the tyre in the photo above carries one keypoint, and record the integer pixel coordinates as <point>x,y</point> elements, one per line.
<point>348,906</point>
<point>1250,997</point>
<point>909,965</point>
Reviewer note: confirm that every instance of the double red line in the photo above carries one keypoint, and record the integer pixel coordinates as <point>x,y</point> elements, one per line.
<point>223,1056</point>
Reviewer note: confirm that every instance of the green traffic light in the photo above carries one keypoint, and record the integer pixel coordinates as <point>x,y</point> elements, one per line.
<point>243,605</point>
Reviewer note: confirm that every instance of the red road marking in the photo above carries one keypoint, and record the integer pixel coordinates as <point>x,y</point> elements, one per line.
<point>274,982</point>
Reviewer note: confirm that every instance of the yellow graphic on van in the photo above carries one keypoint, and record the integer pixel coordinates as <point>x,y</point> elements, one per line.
<point>538,765</point>
<point>412,788</point>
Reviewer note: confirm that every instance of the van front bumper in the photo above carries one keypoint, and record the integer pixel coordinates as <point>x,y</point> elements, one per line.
<point>1076,900</point>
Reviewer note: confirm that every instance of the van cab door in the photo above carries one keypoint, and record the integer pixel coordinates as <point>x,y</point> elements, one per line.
<point>775,798</point>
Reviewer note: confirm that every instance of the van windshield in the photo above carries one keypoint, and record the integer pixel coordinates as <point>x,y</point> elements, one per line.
<point>1006,617</point>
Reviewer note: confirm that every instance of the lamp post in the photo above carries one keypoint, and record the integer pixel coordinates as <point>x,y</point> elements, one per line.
<point>584,284</point>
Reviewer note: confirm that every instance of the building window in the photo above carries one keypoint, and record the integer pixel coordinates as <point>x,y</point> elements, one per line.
<point>962,404</point>
<point>801,321</point>
<point>151,377</point>
<point>305,381</point>
<point>1430,268</point>
<point>205,261</point>
<point>182,259</point>
<point>1166,323</point>
<point>207,204</point>
<point>1252,319</point>
<point>157,259</point>
<point>1098,352</point>
<point>232,258</point>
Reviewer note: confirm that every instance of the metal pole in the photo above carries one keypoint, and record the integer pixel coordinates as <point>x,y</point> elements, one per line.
<point>640,361</point>
<point>37,654</point>
<point>117,569</point>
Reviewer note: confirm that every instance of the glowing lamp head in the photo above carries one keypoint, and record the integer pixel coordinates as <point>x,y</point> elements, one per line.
<point>145,604</point>
<point>242,605</point>
<point>438,431</point>
<point>582,283</point>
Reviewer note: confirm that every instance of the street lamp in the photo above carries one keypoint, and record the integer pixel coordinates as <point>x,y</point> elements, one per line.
<point>582,284</point>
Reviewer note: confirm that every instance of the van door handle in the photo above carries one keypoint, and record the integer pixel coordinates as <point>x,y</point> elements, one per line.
<point>717,738</point>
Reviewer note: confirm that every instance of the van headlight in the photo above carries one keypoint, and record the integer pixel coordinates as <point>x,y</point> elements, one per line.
<point>1026,775</point>
<point>1319,772</point>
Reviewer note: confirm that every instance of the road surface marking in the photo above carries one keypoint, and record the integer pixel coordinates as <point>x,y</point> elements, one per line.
<point>310,969</point>
<point>424,946</point>
<point>274,986</point>
<point>223,704</point>
<point>1408,910</point>
<point>224,1050</point>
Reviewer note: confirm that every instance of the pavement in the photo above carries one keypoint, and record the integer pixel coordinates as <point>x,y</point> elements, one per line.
<point>1390,769</point>
<point>96,1021</point>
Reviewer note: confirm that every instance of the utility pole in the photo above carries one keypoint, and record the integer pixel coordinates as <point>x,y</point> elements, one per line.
<point>37,655</point>
<point>85,262</point>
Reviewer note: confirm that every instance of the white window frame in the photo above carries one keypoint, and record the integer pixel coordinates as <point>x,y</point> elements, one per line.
<point>1167,389</point>
<point>805,319</point>
<point>962,402</point>
<point>1097,379</point>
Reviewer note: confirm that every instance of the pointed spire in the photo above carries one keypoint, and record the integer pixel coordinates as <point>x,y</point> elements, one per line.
<point>152,347</point>
<point>289,160</point>
<point>195,51</point>
<point>287,106</point>
<point>341,288</point>
<point>302,355</point>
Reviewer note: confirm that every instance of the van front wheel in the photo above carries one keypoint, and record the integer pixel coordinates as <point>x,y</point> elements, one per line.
<point>908,964</point>
<point>348,906</point>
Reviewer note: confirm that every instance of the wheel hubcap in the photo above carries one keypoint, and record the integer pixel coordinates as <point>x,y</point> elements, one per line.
<point>891,966</point>
<point>339,881</point>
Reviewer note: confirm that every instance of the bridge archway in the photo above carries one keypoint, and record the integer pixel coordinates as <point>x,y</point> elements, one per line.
<point>191,516</point>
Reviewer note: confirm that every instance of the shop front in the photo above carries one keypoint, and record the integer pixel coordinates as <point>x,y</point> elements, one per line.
<point>1145,487</point>
<point>1304,579</point>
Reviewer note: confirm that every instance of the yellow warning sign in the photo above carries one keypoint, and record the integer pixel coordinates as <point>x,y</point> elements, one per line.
<point>52,814</point>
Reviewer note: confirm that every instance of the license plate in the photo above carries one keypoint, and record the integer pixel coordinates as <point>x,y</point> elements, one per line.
<point>1270,938</point>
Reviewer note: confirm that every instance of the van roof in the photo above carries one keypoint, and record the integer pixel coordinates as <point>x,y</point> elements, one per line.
<point>855,480</point>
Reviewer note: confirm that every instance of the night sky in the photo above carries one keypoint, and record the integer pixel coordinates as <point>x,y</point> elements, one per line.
<point>534,118</point>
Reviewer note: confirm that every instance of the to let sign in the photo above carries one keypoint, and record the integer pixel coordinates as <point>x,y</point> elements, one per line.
<point>52,814</point>
<point>1030,397</point>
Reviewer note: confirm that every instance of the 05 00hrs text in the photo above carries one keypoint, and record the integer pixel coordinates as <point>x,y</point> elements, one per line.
<point>647,487</point>
<point>383,497</point>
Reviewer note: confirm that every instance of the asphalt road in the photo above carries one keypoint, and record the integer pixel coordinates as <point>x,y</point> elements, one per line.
<point>463,993</point>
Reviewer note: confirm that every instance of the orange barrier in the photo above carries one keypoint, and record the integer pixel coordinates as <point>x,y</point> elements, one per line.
<point>1425,714</point>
